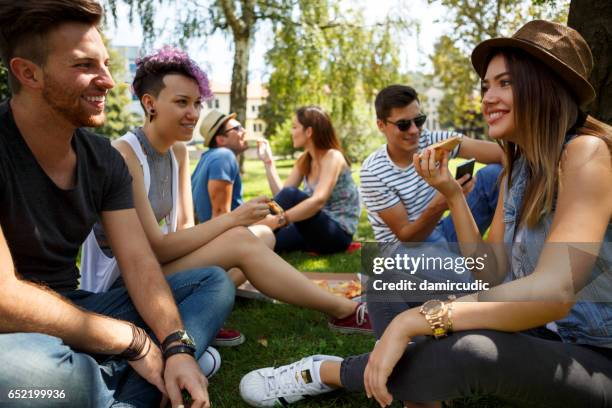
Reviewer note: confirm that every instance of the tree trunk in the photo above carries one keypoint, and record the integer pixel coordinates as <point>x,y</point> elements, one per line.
<point>593,19</point>
<point>240,80</point>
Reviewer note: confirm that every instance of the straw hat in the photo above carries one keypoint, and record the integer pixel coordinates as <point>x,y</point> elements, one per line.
<point>560,47</point>
<point>208,124</point>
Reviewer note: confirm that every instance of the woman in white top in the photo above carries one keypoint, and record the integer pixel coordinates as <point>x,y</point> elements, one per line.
<point>170,87</point>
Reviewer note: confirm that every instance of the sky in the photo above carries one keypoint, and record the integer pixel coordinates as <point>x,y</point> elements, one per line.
<point>215,54</point>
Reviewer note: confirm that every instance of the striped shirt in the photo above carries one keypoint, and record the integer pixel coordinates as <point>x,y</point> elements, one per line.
<point>384,184</point>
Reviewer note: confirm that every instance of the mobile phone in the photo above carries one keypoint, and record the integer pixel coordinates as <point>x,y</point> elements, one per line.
<point>467,167</point>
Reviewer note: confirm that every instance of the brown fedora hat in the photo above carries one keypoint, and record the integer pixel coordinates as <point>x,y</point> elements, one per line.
<point>558,46</point>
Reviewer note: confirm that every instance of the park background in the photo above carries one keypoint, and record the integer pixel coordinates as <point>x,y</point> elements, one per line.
<point>265,58</point>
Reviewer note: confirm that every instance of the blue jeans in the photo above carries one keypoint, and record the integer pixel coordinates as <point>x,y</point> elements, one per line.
<point>38,361</point>
<point>318,233</point>
<point>482,201</point>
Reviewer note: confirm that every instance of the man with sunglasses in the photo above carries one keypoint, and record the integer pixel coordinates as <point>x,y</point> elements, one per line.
<point>216,181</point>
<point>401,205</point>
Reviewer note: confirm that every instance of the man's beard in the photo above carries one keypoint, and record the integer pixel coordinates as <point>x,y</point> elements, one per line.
<point>67,102</point>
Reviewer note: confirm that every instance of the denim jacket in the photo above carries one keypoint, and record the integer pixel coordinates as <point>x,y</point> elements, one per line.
<point>588,322</point>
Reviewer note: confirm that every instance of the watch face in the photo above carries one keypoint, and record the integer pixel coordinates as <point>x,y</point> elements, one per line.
<point>186,339</point>
<point>432,307</point>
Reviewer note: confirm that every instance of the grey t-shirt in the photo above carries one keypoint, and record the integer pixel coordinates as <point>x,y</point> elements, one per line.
<point>160,190</point>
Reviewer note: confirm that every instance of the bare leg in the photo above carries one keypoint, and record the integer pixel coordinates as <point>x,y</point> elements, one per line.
<point>267,271</point>
<point>236,275</point>
<point>264,233</point>
<point>330,373</point>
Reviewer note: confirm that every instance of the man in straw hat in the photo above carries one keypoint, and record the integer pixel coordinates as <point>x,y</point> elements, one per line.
<point>216,181</point>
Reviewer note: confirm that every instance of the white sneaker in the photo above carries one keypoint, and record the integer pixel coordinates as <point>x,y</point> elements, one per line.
<point>284,385</point>
<point>210,362</point>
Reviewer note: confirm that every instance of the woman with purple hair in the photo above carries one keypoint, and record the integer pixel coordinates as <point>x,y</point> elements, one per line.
<point>170,87</point>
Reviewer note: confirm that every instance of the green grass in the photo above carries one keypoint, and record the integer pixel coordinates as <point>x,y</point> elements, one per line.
<point>292,332</point>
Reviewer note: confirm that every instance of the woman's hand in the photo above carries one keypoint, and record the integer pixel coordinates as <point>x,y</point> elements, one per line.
<point>273,221</point>
<point>387,352</point>
<point>264,152</point>
<point>439,176</point>
<point>251,212</point>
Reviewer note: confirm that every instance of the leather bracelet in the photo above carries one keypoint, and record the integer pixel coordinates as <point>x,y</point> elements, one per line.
<point>179,335</point>
<point>134,351</point>
<point>145,353</point>
<point>181,349</point>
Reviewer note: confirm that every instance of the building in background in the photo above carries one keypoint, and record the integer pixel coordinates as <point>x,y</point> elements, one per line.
<point>256,96</point>
<point>130,54</point>
<point>432,98</point>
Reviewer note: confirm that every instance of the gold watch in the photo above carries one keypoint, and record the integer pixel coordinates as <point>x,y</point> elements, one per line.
<point>435,311</point>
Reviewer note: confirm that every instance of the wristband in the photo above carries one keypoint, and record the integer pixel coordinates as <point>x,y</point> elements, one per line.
<point>134,351</point>
<point>181,349</point>
<point>181,336</point>
<point>283,221</point>
<point>449,317</point>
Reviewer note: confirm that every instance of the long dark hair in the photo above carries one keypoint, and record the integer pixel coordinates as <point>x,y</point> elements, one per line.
<point>545,110</point>
<point>323,134</point>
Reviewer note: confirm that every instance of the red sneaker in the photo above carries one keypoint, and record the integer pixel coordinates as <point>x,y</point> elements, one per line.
<point>228,338</point>
<point>358,322</point>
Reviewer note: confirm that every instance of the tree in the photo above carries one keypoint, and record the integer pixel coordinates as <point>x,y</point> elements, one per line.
<point>453,72</point>
<point>118,117</point>
<point>332,59</point>
<point>196,19</point>
<point>593,19</point>
<point>472,22</point>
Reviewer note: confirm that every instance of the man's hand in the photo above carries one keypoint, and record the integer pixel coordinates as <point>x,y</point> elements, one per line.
<point>151,366</point>
<point>251,212</point>
<point>183,373</point>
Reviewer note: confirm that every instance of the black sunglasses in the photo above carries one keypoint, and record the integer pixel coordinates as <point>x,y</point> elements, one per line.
<point>238,128</point>
<point>405,124</point>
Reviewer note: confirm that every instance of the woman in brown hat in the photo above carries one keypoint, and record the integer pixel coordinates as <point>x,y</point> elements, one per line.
<point>542,334</point>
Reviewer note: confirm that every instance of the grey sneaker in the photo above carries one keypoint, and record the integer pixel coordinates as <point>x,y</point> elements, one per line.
<point>269,387</point>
